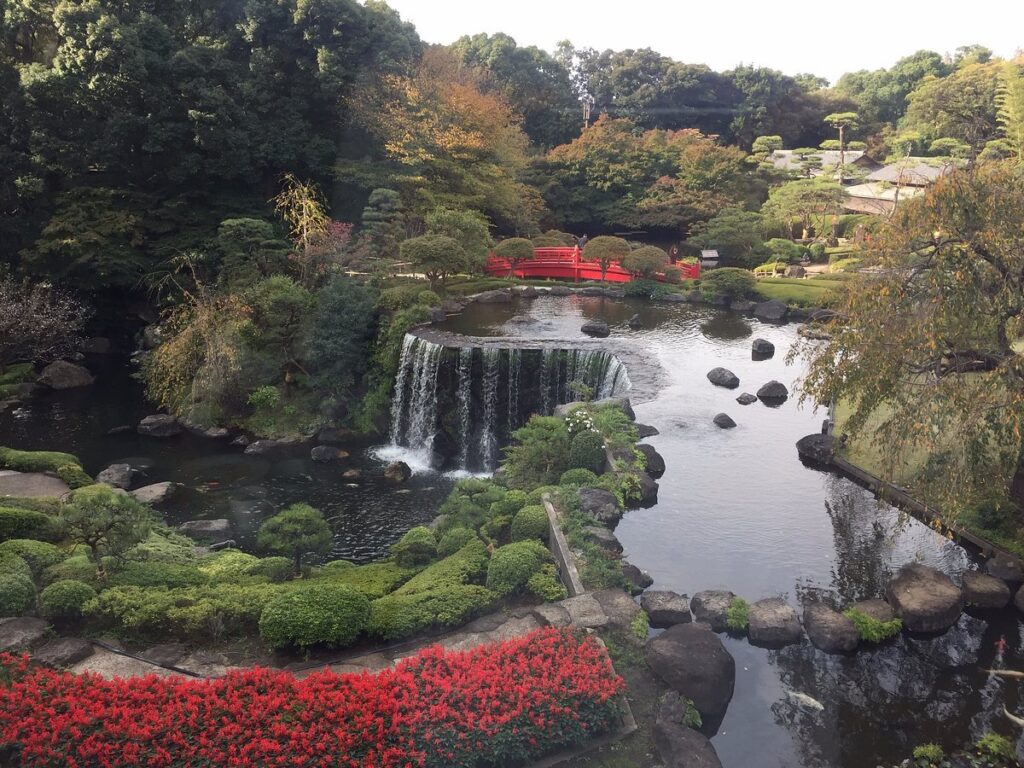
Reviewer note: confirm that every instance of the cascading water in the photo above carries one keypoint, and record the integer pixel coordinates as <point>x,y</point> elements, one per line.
<point>456,407</point>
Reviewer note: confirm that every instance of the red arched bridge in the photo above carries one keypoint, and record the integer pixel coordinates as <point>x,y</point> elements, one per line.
<point>568,264</point>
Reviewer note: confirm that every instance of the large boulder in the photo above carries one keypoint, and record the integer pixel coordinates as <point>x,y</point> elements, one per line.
<point>1004,567</point>
<point>560,290</point>
<point>693,662</point>
<point>723,377</point>
<point>267,447</point>
<point>117,476</point>
<point>603,538</point>
<point>665,608</point>
<point>742,305</point>
<point>637,579</point>
<point>324,454</point>
<point>925,598</point>
<point>619,607</point>
<point>795,270</point>
<point>635,322</point>
<point>61,374</point>
<point>499,296</point>
<point>724,421</point>
<point>673,298</point>
<point>682,747</point>
<point>159,425</point>
<point>63,652</point>
<point>597,328</point>
<point>648,489</point>
<point>22,633</point>
<point>207,531</point>
<point>711,607</point>
<point>773,623</point>
<point>762,349</point>
<point>646,430</point>
<point>157,493</point>
<point>397,472</point>
<point>601,505</point>
<point>771,311</point>
<point>695,297</point>
<point>816,448</point>
<point>1018,599</point>
<point>983,591</point>
<point>209,433</point>
<point>829,630</point>
<point>879,610</point>
<point>437,315</point>
<point>773,393</point>
<point>97,345</point>
<point>655,462</point>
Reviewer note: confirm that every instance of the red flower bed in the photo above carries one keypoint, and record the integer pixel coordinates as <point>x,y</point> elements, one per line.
<point>493,704</point>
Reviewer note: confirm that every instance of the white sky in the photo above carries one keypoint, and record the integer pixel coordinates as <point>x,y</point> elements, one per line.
<point>789,35</point>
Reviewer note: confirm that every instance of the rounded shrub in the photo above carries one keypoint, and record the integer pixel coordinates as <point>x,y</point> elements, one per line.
<point>512,566</point>
<point>727,283</point>
<point>78,567</point>
<point>396,617</point>
<point>17,593</point>
<point>578,478</point>
<point>14,565</point>
<point>510,503</point>
<point>157,574</point>
<point>531,523</point>
<point>40,555</point>
<point>74,476</point>
<point>454,540</point>
<point>428,298</point>
<point>319,614</point>
<point>18,523</point>
<point>227,565</point>
<point>587,452</point>
<point>336,566</point>
<point>536,496</point>
<point>546,585</point>
<point>276,569</point>
<point>64,599</point>
<point>417,547</point>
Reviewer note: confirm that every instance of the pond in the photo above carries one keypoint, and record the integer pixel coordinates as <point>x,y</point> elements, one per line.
<point>738,510</point>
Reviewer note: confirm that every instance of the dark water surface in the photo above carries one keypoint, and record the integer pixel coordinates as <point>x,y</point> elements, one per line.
<point>737,510</point>
<point>367,515</point>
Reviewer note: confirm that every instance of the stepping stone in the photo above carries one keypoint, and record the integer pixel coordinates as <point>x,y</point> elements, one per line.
<point>723,377</point>
<point>829,630</point>
<point>711,607</point>
<point>983,591</point>
<point>21,633</point>
<point>925,598</point>
<point>762,349</point>
<point>585,611</point>
<point>665,608</point>
<point>773,623</point>
<point>693,662</point>
<point>64,652</point>
<point>32,485</point>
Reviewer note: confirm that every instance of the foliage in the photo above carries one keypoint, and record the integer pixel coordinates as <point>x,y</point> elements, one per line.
<point>416,547</point>
<point>515,250</point>
<point>437,256</point>
<point>467,565</point>
<point>278,312</point>
<point>727,283</point>
<point>296,531</point>
<point>738,616</point>
<point>302,206</point>
<point>578,477</point>
<point>317,614</point>
<point>736,235</point>
<point>399,616</point>
<point>531,523</point>
<point>961,106</point>
<point>538,454</point>
<point>106,522</point>
<point>786,250</point>
<point>513,564</point>
<point>931,754</point>
<point>37,322</point>
<point>470,229</point>
<point>606,251</point>
<point>250,250</point>
<point>14,565</point>
<point>157,574</point>
<point>341,334</point>
<point>453,540</point>
<point>38,554</point>
<point>227,565</point>
<point>373,579</point>
<point>640,625</point>
<point>26,524</point>
<point>1010,107</point>
<point>997,747</point>
<point>34,461</point>
<point>64,600</point>
<point>871,629</point>
<point>17,594</point>
<point>929,336</point>
<point>567,680</point>
<point>645,261</point>
<point>546,585</point>
<point>811,201</point>
<point>586,452</point>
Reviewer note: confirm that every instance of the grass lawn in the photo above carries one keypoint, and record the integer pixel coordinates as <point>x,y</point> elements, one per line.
<point>797,291</point>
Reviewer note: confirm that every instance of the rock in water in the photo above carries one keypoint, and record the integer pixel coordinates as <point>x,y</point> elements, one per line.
<point>692,661</point>
<point>327,453</point>
<point>682,747</point>
<point>499,296</point>
<point>746,399</point>
<point>724,421</point>
<point>207,530</point>
<point>773,392</point>
<point>117,476</point>
<point>157,493</point>
<point>645,430</point>
<point>1006,568</point>
<point>924,598</point>
<point>711,607</point>
<point>665,608</point>
<point>984,591</point>
<point>637,579</point>
<point>601,505</point>
<point>397,472</point>
<point>816,448</point>
<point>61,374</point>
<point>596,328</point>
<point>771,311</point>
<point>723,377</point>
<point>655,463</point>
<point>159,425</point>
<point>829,630</point>
<point>879,610</point>
<point>636,322</point>
<point>773,623</point>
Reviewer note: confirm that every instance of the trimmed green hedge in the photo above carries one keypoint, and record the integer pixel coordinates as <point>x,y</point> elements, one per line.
<point>454,540</point>
<point>35,461</point>
<point>65,599</point>
<point>17,594</point>
<point>397,617</point>
<point>77,567</point>
<point>587,452</point>
<point>417,547</point>
<point>373,579</point>
<point>227,565</point>
<point>317,614</point>
<point>467,565</point>
<point>531,523</point>
<point>546,585</point>
<point>579,478</point>
<point>26,524</point>
<point>512,566</point>
<point>38,554</point>
<point>157,574</point>
<point>14,565</point>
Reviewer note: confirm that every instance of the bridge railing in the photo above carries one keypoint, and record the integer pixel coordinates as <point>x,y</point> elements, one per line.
<point>567,263</point>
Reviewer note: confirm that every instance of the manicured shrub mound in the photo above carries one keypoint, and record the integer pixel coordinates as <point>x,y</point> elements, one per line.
<point>398,616</point>
<point>65,599</point>
<point>587,452</point>
<point>38,554</point>
<point>494,705</point>
<point>531,523</point>
<point>454,540</point>
<point>17,593</point>
<point>26,524</point>
<point>417,547</point>
<point>578,478</point>
<point>512,566</point>
<point>319,614</point>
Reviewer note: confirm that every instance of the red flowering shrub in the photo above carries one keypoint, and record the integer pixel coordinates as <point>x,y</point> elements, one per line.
<point>490,705</point>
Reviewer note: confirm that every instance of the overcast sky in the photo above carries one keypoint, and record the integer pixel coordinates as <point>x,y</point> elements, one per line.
<point>789,35</point>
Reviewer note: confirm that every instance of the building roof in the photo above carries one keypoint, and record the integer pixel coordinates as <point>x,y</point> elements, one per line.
<point>785,160</point>
<point>915,171</point>
<point>877,190</point>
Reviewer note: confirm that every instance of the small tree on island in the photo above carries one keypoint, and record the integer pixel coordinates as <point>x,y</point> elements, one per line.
<point>294,532</point>
<point>645,261</point>
<point>37,322</point>
<point>515,250</point>
<point>108,523</point>
<point>437,256</point>
<point>606,250</point>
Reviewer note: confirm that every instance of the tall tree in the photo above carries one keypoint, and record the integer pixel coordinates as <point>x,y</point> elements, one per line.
<point>961,106</point>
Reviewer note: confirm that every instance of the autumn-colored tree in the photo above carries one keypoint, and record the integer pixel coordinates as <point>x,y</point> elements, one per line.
<point>301,204</point>
<point>925,352</point>
<point>605,250</point>
<point>515,250</point>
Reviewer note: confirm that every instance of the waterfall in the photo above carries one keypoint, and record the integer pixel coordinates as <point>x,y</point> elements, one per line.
<point>450,410</point>
<point>488,436</point>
